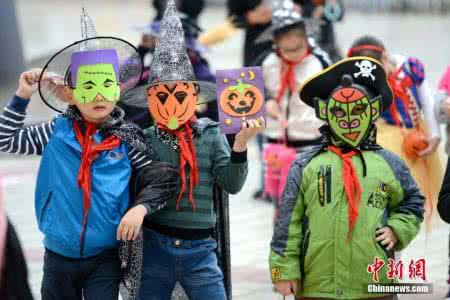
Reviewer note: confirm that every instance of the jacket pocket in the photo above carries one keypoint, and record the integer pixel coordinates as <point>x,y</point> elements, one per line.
<point>304,249</point>
<point>380,249</point>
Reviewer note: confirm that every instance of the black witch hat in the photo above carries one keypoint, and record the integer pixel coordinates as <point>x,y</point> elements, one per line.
<point>284,16</point>
<point>58,67</point>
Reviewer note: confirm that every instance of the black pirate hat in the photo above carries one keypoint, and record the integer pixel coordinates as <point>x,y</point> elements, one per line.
<point>365,71</point>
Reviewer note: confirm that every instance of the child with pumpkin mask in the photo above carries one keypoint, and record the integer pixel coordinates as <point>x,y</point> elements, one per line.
<point>180,235</point>
<point>88,154</point>
<point>347,201</point>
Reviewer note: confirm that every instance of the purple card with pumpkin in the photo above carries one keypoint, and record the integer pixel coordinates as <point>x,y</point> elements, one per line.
<point>240,97</point>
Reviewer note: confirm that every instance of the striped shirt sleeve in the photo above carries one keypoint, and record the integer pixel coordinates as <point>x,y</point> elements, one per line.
<point>138,159</point>
<point>17,139</point>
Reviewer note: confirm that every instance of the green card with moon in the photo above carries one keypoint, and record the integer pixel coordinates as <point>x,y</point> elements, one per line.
<point>240,97</point>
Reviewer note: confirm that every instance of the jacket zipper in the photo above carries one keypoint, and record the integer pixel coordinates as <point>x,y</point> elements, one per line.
<point>83,238</point>
<point>286,131</point>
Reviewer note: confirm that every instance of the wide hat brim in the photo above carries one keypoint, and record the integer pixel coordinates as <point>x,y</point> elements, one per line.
<point>138,98</point>
<point>57,68</point>
<point>325,82</point>
<point>269,33</point>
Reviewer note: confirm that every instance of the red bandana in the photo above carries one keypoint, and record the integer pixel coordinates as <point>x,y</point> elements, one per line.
<point>351,184</point>
<point>399,88</point>
<point>89,153</point>
<point>288,77</point>
<point>364,47</point>
<point>187,157</point>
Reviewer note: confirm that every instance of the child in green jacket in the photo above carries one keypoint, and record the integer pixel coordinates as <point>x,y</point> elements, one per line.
<point>348,202</point>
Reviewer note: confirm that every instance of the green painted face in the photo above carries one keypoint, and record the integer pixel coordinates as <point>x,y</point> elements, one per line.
<point>349,114</point>
<point>96,79</point>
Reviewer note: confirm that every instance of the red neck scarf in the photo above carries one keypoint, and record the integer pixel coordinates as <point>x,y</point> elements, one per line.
<point>89,153</point>
<point>351,184</point>
<point>187,157</point>
<point>400,89</point>
<point>287,74</point>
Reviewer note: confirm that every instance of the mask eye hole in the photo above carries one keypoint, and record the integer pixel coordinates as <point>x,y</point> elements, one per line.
<point>108,83</point>
<point>250,94</point>
<point>162,97</point>
<point>180,96</point>
<point>338,112</point>
<point>232,96</point>
<point>359,109</point>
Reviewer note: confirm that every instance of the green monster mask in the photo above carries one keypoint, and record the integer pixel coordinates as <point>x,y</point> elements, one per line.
<point>96,79</point>
<point>349,113</point>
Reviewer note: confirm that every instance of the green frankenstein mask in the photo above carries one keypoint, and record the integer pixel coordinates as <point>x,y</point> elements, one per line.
<point>349,113</point>
<point>96,79</point>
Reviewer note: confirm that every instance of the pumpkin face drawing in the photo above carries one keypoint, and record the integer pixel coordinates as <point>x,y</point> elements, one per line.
<point>172,104</point>
<point>241,100</point>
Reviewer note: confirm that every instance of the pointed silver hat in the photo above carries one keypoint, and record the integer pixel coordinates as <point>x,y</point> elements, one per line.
<point>170,62</point>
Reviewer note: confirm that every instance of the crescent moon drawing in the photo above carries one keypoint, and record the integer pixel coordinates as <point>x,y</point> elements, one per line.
<point>251,75</point>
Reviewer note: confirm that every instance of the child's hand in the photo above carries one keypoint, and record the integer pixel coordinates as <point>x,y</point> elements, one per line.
<point>286,287</point>
<point>387,237</point>
<point>249,129</point>
<point>433,143</point>
<point>131,223</point>
<point>273,109</point>
<point>28,83</point>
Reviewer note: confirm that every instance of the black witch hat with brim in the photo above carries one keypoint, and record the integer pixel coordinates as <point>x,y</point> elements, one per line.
<point>171,62</point>
<point>365,71</point>
<point>284,17</point>
<point>57,68</point>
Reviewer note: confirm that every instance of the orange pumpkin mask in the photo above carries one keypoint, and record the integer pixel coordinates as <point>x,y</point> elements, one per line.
<point>241,100</point>
<point>172,104</point>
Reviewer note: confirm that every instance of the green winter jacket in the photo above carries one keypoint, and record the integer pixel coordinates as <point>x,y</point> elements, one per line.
<point>310,238</point>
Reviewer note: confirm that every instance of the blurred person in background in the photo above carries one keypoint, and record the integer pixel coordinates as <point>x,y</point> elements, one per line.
<point>255,16</point>
<point>323,14</point>
<point>443,112</point>
<point>290,122</point>
<point>191,8</point>
<point>443,104</point>
<point>13,268</point>
<point>409,127</point>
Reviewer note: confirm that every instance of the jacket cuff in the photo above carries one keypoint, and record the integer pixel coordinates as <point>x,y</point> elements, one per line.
<point>238,157</point>
<point>148,208</point>
<point>19,104</point>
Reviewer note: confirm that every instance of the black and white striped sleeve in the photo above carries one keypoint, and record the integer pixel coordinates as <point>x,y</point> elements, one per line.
<point>138,159</point>
<point>17,139</point>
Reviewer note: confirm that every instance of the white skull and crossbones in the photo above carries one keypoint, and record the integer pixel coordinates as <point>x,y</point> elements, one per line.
<point>365,69</point>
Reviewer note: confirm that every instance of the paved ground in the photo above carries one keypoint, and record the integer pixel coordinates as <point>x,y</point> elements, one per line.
<point>426,37</point>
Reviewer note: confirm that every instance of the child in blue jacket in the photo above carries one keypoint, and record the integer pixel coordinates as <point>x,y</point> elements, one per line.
<point>82,191</point>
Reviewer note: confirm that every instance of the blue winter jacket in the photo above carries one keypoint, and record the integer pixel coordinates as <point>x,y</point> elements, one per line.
<point>59,200</point>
